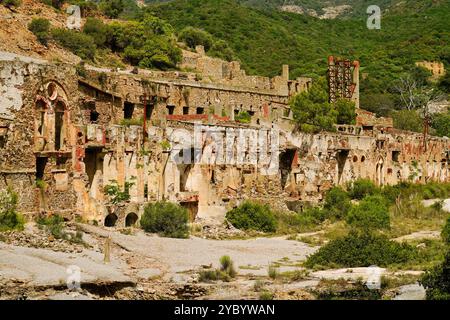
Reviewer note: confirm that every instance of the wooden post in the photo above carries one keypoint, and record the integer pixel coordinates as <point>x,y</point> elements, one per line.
<point>107,250</point>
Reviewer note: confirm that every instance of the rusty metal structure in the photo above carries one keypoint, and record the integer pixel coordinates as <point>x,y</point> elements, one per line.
<point>342,78</point>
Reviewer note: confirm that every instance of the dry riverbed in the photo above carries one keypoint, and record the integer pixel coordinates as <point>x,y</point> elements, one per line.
<point>33,265</point>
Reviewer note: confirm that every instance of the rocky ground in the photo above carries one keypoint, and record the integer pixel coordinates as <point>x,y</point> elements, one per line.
<point>35,265</point>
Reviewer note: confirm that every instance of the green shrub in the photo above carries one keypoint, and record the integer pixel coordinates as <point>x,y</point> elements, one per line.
<point>361,188</point>
<point>10,219</point>
<point>437,281</point>
<point>337,203</point>
<point>166,218</point>
<point>391,193</point>
<point>361,250</point>
<point>266,295</point>
<point>53,224</point>
<point>115,192</point>
<point>79,43</point>
<point>226,265</point>
<point>100,32</point>
<point>194,37</point>
<point>11,3</point>
<point>243,117</point>
<point>208,275</point>
<point>41,29</point>
<point>272,272</point>
<point>446,232</point>
<point>371,213</point>
<point>292,222</point>
<point>225,273</point>
<point>252,216</point>
<point>112,8</point>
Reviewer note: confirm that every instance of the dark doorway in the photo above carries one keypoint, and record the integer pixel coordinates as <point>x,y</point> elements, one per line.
<point>286,162</point>
<point>341,157</point>
<point>110,220</point>
<point>170,109</point>
<point>131,219</point>
<point>94,116</point>
<point>128,109</point>
<point>91,163</point>
<point>200,110</point>
<point>40,167</point>
<point>59,123</point>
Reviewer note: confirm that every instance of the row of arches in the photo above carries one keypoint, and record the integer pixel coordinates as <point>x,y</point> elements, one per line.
<point>131,220</point>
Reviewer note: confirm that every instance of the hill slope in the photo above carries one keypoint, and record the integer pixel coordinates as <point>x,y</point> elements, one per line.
<point>264,39</point>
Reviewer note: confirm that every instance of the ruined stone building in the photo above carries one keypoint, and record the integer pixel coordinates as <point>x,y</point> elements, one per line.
<point>67,133</point>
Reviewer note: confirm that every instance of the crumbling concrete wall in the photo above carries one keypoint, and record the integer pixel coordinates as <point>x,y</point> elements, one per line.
<point>65,138</point>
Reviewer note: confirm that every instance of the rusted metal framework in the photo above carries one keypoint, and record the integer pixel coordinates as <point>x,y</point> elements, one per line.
<point>340,79</point>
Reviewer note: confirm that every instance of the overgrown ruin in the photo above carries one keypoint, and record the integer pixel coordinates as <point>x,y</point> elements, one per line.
<point>65,135</point>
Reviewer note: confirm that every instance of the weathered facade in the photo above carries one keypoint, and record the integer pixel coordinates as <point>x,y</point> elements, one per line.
<point>64,137</point>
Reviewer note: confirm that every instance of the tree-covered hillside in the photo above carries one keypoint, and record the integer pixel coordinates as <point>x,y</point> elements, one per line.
<point>263,40</point>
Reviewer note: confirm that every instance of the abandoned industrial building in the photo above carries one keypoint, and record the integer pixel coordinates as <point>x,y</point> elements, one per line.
<point>65,136</point>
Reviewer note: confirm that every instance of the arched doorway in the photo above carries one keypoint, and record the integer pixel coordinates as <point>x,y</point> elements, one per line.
<point>131,219</point>
<point>110,220</point>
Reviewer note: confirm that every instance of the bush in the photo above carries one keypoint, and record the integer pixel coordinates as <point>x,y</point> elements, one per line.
<point>272,272</point>
<point>100,32</point>
<point>361,250</point>
<point>371,213</point>
<point>112,8</point>
<point>437,281</point>
<point>41,29</point>
<point>79,43</point>
<point>10,219</point>
<point>252,216</point>
<point>115,192</point>
<point>194,37</point>
<point>226,265</point>
<point>446,232</point>
<point>266,295</point>
<point>220,49</point>
<point>225,273</point>
<point>337,203</point>
<point>165,218</point>
<point>11,3</point>
<point>243,117</point>
<point>361,188</point>
<point>53,224</point>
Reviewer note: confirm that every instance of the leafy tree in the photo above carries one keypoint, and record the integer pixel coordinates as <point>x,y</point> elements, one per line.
<point>437,281</point>
<point>346,111</point>
<point>112,8</point>
<point>379,103</point>
<point>41,29</point>
<point>100,32</point>
<point>446,232</point>
<point>311,109</point>
<point>194,37</point>
<point>221,49</point>
<point>441,124</point>
<point>79,43</point>
<point>407,120</point>
<point>444,82</point>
